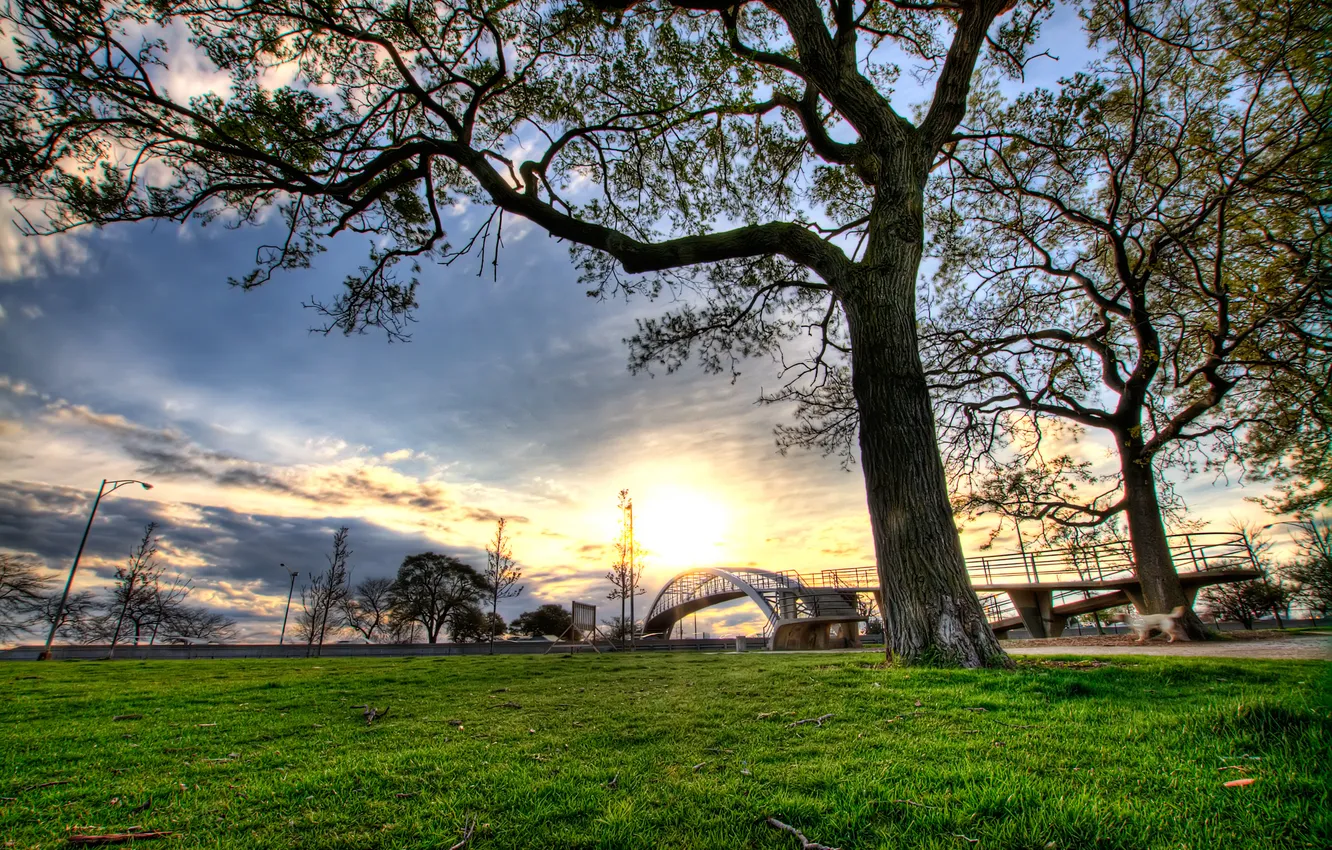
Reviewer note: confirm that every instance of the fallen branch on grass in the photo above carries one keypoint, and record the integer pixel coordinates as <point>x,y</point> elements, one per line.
<point>964,838</point>
<point>805,843</point>
<point>371,714</point>
<point>116,837</point>
<point>817,721</point>
<point>46,785</point>
<point>467,834</point>
<point>914,803</point>
<point>128,717</point>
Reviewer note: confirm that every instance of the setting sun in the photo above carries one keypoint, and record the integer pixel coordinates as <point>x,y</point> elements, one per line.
<point>679,527</point>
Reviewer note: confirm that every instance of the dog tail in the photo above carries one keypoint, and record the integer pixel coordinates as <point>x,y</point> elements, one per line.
<point>1177,612</point>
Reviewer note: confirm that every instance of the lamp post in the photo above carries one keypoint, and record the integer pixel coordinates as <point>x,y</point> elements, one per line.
<point>290,590</point>
<point>103,490</point>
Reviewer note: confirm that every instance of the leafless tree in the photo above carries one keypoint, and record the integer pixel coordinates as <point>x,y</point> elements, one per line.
<point>198,623</point>
<point>1312,568</point>
<point>367,608</point>
<point>323,600</point>
<point>625,571</point>
<point>22,589</point>
<point>143,598</point>
<point>501,575</point>
<point>76,617</point>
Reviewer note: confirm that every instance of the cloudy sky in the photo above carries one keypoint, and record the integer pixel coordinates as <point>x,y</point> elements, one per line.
<point>124,354</point>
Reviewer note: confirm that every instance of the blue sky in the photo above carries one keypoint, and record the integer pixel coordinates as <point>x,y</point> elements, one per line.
<point>125,354</point>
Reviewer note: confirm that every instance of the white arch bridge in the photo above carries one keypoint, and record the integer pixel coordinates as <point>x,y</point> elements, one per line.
<point>1038,591</point>
<point>800,614</point>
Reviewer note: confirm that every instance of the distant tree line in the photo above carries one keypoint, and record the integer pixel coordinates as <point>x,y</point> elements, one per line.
<point>143,605</point>
<point>432,597</point>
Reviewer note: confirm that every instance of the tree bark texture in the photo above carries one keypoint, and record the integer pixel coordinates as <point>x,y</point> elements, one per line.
<point>931,613</point>
<point>1161,588</point>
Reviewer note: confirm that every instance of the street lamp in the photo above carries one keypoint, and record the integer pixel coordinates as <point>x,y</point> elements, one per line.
<point>104,490</point>
<point>290,590</point>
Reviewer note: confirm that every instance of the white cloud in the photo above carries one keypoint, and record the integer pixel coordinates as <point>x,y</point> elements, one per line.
<point>23,257</point>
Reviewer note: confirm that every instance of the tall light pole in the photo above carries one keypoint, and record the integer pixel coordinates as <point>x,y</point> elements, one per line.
<point>290,591</point>
<point>104,490</point>
<point>633,579</point>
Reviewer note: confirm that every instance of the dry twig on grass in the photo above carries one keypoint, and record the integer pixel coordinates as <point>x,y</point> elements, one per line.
<point>964,838</point>
<point>45,785</point>
<point>805,843</point>
<point>128,717</point>
<point>817,721</point>
<point>914,803</point>
<point>467,834</point>
<point>116,838</point>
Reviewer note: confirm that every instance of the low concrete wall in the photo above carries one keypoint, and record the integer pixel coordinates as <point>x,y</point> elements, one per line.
<point>353,650</point>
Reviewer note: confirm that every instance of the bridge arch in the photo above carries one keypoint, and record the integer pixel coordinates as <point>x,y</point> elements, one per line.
<point>702,587</point>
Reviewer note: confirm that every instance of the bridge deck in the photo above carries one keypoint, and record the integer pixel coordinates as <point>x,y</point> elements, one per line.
<point>1039,590</point>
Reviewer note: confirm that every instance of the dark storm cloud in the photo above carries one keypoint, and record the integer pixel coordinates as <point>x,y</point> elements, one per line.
<point>47,521</point>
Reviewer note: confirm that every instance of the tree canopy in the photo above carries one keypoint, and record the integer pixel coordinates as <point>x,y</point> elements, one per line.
<point>549,619</point>
<point>430,586</point>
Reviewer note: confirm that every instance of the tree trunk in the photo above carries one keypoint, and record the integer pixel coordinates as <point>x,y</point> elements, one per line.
<point>1161,589</point>
<point>931,614</point>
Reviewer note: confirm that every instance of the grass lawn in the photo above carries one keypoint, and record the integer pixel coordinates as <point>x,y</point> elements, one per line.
<point>671,751</point>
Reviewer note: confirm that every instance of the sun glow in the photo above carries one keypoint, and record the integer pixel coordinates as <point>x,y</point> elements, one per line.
<point>679,527</point>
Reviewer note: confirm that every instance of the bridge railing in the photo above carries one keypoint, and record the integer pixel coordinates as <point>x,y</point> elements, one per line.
<point>1196,552</point>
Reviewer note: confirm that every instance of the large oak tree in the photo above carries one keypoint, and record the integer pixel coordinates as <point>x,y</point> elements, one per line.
<point>747,151</point>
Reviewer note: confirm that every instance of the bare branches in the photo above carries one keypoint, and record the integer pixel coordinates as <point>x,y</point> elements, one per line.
<point>805,843</point>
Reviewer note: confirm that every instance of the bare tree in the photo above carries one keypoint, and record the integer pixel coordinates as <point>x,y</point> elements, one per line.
<point>367,608</point>
<point>625,571</point>
<point>22,589</point>
<point>195,622</point>
<point>142,598</point>
<point>1313,565</point>
<point>324,599</point>
<point>1247,601</point>
<point>76,618</point>
<point>501,575</point>
<point>621,569</point>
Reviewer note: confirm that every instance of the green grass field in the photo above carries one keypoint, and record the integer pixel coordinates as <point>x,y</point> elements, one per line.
<point>669,751</point>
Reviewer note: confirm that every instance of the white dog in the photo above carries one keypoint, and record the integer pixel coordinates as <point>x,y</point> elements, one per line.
<point>1166,624</point>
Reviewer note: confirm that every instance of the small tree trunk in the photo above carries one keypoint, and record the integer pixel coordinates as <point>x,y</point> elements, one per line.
<point>931,614</point>
<point>1161,589</point>
<point>111,653</point>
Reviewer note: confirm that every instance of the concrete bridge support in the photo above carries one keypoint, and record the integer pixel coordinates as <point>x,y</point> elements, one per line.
<point>1036,608</point>
<point>816,634</point>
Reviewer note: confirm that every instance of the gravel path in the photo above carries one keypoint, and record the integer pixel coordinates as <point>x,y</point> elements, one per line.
<point>1316,647</point>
